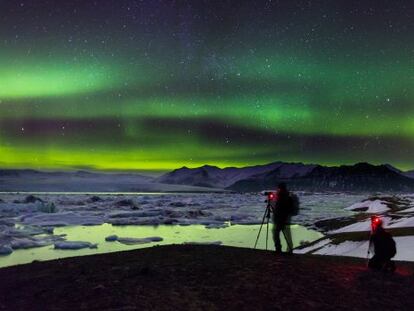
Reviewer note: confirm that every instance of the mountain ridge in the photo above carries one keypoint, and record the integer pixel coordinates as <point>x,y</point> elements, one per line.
<point>299,176</point>
<point>361,176</point>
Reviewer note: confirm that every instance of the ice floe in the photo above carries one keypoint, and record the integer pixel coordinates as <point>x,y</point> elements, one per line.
<point>111,238</point>
<point>71,245</point>
<point>64,218</point>
<point>213,209</point>
<point>5,250</point>
<point>25,237</point>
<point>40,213</point>
<point>133,241</point>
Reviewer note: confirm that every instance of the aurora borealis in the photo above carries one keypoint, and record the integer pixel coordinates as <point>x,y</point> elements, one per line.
<point>140,85</point>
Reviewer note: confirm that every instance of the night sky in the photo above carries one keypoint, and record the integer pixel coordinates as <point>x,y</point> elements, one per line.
<point>161,84</point>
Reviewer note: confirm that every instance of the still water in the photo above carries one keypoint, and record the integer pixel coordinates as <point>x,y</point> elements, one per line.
<point>235,235</point>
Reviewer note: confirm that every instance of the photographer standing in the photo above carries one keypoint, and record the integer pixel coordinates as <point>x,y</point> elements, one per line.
<point>282,212</point>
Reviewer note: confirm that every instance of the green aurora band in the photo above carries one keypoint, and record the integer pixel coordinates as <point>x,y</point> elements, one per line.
<point>115,108</point>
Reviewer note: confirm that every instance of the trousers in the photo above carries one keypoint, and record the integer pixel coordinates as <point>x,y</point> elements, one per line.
<point>282,226</point>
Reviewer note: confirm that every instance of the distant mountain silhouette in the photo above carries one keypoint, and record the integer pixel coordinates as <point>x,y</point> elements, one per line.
<point>212,176</point>
<point>83,181</point>
<point>409,174</point>
<point>299,176</point>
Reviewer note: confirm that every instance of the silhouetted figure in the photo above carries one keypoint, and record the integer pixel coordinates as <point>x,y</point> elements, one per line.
<point>384,247</point>
<point>282,212</point>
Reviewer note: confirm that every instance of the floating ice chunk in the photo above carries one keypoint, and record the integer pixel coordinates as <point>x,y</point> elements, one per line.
<point>207,222</point>
<point>203,243</point>
<point>368,206</point>
<point>178,204</point>
<point>247,222</point>
<point>93,199</point>
<point>133,241</point>
<point>13,209</point>
<point>73,245</point>
<point>135,221</point>
<point>46,207</point>
<point>216,226</point>
<point>126,202</point>
<point>111,238</point>
<point>32,199</point>
<point>128,214</point>
<point>24,243</point>
<point>5,250</point>
<point>65,219</point>
<point>170,221</point>
<point>27,230</point>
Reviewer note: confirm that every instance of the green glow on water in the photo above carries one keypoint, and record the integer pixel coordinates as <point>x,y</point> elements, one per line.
<point>236,235</point>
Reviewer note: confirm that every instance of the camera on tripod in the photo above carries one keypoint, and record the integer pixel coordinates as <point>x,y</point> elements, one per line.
<point>271,196</point>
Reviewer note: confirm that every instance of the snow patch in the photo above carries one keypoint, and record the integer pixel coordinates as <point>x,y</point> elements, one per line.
<point>368,206</point>
<point>407,210</point>
<point>405,249</point>
<point>313,247</point>
<point>361,226</point>
<point>402,223</point>
<point>347,248</point>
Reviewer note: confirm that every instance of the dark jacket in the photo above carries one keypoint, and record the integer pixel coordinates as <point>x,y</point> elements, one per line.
<point>384,244</point>
<point>283,206</point>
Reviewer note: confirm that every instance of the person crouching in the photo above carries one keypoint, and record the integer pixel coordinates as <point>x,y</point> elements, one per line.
<point>384,247</point>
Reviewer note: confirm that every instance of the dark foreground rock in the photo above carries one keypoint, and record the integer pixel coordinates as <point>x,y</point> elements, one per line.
<point>192,277</point>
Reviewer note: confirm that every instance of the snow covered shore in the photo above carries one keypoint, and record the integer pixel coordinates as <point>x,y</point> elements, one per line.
<point>352,239</point>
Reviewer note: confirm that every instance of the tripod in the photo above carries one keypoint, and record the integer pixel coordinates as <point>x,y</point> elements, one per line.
<point>266,215</point>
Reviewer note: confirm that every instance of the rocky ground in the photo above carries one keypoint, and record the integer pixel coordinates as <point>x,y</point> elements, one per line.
<point>196,277</point>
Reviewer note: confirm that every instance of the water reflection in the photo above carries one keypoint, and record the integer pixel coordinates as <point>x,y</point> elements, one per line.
<point>236,235</point>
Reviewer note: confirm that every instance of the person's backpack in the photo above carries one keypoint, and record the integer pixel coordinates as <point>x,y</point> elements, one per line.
<point>389,245</point>
<point>295,204</point>
<point>385,245</point>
